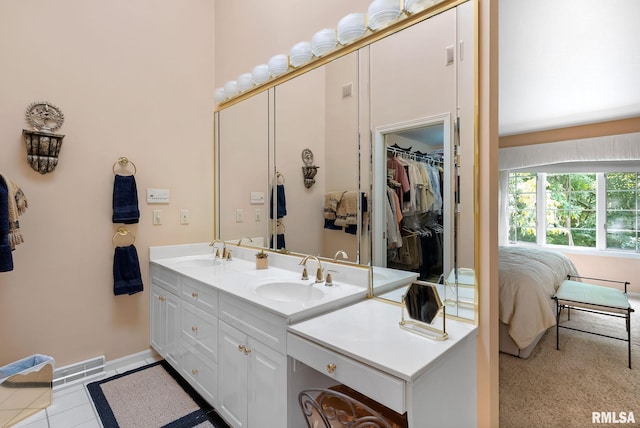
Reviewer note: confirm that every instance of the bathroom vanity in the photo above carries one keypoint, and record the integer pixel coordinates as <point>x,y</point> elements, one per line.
<point>248,341</point>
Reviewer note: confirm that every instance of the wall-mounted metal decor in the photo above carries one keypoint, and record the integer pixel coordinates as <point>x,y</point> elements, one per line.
<point>43,146</point>
<point>309,170</point>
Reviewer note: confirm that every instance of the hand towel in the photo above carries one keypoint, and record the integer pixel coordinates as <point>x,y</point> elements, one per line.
<point>17,205</point>
<point>126,271</point>
<point>125,200</point>
<point>280,244</point>
<point>281,201</point>
<point>331,203</point>
<point>6,259</point>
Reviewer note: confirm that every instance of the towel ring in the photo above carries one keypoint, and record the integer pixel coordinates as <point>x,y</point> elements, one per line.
<point>279,175</point>
<point>123,162</point>
<point>123,232</point>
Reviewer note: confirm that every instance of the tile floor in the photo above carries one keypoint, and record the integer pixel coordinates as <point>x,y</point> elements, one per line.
<point>71,406</point>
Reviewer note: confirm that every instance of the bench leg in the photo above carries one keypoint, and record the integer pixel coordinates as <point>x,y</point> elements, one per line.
<point>557,325</point>
<point>629,335</point>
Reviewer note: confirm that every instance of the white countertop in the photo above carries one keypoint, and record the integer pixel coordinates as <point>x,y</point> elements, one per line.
<point>239,277</point>
<point>369,332</point>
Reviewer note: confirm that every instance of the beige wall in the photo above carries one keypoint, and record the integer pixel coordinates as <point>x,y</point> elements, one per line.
<point>135,79</point>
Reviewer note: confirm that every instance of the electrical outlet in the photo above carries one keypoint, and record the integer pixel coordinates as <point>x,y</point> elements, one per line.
<point>239,215</point>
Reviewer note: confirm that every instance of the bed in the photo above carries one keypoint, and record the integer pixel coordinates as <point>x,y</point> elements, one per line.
<point>529,277</point>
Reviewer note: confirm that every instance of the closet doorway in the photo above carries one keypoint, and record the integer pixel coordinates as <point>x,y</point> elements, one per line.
<point>414,204</point>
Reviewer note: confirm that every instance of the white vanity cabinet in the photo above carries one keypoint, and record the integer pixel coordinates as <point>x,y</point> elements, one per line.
<point>165,314</point>
<point>253,366</point>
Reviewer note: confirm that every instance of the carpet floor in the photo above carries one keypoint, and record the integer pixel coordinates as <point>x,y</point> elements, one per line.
<point>561,388</point>
<point>151,396</point>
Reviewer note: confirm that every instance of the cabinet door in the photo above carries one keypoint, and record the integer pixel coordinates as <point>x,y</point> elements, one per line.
<point>172,329</point>
<point>157,319</point>
<point>267,386</point>
<point>232,378</point>
<point>165,324</point>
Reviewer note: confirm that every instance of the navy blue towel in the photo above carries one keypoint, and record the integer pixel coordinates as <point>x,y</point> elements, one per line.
<point>281,201</point>
<point>279,241</point>
<point>126,271</point>
<point>6,259</point>
<point>125,200</point>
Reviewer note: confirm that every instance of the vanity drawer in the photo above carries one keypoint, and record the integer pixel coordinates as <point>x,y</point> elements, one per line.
<point>373,383</point>
<point>166,279</point>
<point>201,295</point>
<point>262,325</point>
<point>200,330</point>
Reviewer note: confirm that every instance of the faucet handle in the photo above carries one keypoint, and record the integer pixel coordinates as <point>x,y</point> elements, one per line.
<point>329,281</point>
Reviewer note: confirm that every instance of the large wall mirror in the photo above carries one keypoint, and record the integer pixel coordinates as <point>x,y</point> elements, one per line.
<point>389,126</point>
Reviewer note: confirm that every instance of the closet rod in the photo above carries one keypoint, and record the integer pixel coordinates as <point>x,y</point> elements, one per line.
<point>413,155</point>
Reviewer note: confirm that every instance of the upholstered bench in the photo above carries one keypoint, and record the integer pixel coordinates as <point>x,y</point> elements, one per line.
<point>593,298</point>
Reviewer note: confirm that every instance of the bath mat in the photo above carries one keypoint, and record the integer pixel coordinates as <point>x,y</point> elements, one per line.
<point>151,396</point>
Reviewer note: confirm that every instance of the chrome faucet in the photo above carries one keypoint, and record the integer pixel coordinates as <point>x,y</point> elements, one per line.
<point>318,272</point>
<point>224,248</point>
<point>342,253</point>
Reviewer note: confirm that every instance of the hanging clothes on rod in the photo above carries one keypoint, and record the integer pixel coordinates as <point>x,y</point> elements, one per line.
<point>414,212</point>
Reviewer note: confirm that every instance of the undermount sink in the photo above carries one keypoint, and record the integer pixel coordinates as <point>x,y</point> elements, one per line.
<point>198,263</point>
<point>286,291</point>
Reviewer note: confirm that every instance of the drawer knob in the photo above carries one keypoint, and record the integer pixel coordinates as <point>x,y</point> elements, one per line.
<point>331,368</point>
<point>161,298</point>
<point>194,372</point>
<point>247,351</point>
<point>194,329</point>
<point>194,295</point>
<point>241,348</point>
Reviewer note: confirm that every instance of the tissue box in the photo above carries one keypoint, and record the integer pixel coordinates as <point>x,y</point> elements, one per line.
<point>25,388</point>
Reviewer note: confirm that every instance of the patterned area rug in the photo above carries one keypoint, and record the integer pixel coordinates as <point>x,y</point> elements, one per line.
<point>151,396</point>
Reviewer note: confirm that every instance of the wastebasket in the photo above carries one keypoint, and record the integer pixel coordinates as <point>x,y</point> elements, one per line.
<point>25,388</point>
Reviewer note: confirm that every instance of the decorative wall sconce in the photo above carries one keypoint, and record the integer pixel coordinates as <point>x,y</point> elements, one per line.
<point>43,146</point>
<point>309,170</point>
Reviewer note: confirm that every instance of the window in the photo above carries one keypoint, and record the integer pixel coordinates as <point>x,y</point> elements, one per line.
<point>570,209</point>
<point>522,207</point>
<point>622,211</point>
<point>574,206</point>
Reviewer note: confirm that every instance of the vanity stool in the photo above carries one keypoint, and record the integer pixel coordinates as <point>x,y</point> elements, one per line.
<point>598,299</point>
<point>340,406</point>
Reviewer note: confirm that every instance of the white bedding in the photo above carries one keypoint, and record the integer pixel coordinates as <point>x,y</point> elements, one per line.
<point>529,276</point>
